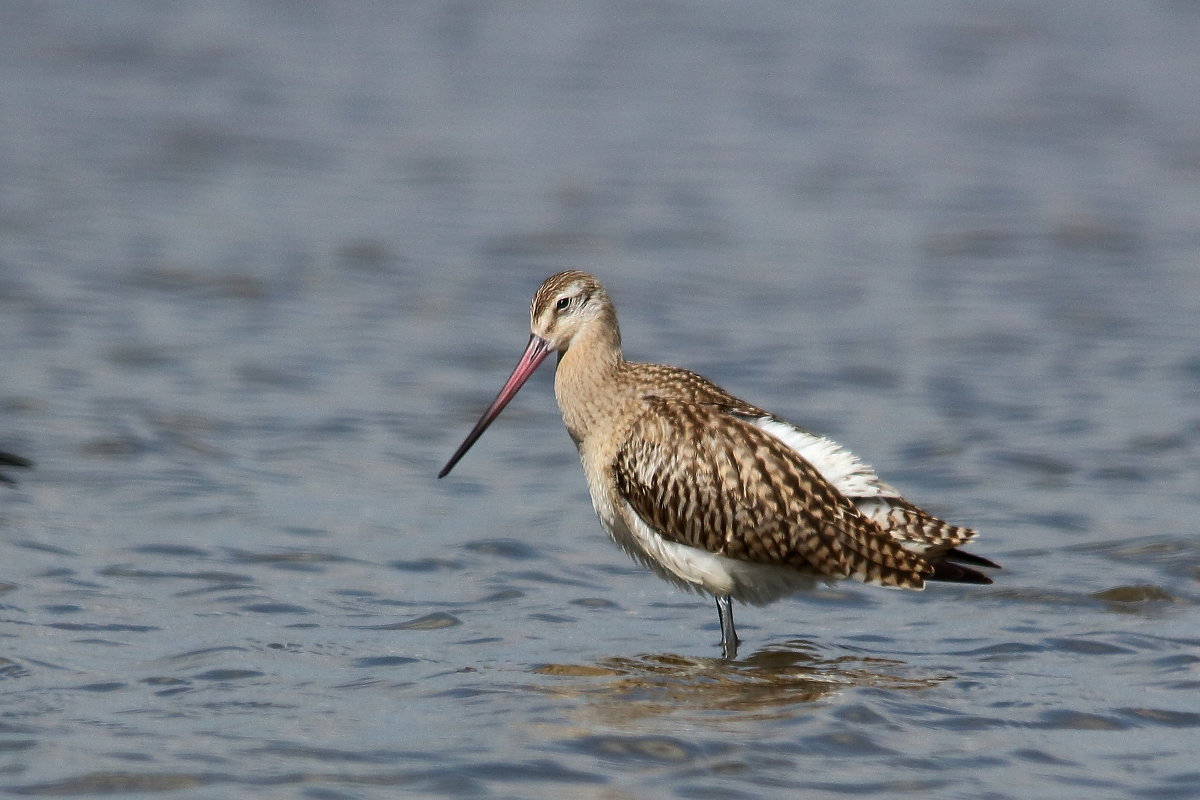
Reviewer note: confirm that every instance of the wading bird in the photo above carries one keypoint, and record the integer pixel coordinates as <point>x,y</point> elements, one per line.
<point>710,492</point>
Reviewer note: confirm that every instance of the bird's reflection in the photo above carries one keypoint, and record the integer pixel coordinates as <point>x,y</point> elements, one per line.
<point>777,681</point>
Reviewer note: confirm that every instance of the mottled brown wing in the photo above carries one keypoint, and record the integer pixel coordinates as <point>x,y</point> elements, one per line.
<point>704,478</point>
<point>687,386</point>
<point>912,525</point>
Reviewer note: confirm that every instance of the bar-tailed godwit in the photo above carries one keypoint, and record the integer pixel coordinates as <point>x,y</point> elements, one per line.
<point>710,492</point>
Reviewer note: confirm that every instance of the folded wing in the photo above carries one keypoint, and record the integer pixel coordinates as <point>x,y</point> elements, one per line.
<point>701,476</point>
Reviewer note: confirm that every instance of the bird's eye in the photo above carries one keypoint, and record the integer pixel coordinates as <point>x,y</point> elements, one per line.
<point>562,304</point>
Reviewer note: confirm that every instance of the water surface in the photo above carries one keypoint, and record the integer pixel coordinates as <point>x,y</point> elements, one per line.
<point>261,267</point>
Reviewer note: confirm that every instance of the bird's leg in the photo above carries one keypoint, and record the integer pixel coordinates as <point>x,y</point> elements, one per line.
<point>729,638</point>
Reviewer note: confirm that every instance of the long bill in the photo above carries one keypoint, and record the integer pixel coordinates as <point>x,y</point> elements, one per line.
<point>535,353</point>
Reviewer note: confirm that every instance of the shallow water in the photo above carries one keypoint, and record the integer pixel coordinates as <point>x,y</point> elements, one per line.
<point>262,266</point>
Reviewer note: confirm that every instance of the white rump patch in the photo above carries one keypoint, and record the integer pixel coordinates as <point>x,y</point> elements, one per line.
<point>839,466</point>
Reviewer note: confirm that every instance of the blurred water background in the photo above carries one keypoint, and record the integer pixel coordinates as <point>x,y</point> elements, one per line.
<point>262,264</point>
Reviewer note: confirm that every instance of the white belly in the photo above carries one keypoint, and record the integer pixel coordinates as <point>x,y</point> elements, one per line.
<point>701,571</point>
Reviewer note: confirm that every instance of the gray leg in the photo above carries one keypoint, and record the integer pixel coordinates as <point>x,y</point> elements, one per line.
<point>729,639</point>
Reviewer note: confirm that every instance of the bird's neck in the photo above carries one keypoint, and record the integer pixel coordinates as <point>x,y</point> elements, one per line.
<point>587,382</point>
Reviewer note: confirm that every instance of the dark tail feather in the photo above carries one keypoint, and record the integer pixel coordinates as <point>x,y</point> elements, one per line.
<point>961,557</point>
<point>950,572</point>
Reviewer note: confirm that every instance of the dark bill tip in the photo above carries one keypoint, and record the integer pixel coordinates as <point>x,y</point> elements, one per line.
<point>535,353</point>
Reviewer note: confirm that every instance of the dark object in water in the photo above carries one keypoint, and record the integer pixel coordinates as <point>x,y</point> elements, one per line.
<point>12,460</point>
